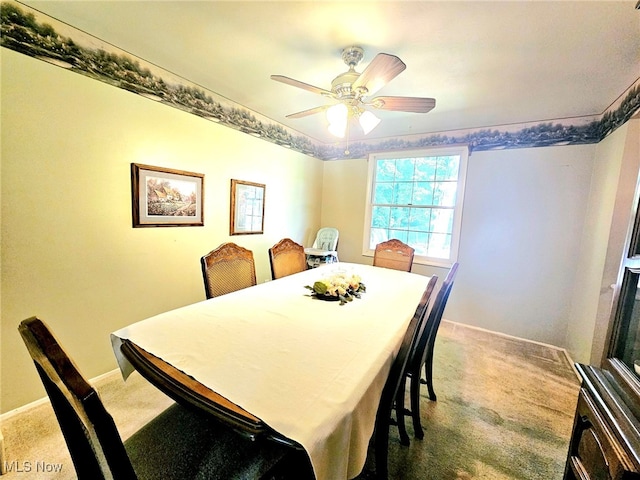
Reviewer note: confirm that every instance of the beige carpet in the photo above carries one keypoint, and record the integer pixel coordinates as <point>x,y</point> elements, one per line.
<point>504,411</point>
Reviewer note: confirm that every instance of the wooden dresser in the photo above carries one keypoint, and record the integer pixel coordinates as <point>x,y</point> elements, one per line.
<point>605,442</point>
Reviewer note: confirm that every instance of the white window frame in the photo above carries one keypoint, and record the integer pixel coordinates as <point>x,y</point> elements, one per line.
<point>463,152</point>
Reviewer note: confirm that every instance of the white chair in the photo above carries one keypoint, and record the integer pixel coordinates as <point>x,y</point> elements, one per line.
<point>324,249</point>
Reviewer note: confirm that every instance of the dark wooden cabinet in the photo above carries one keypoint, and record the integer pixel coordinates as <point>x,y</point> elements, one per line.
<point>605,442</point>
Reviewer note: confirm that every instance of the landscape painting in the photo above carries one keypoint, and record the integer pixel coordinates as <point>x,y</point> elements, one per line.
<point>166,197</point>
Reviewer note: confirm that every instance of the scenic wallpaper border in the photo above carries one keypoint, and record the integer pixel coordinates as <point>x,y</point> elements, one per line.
<point>32,33</point>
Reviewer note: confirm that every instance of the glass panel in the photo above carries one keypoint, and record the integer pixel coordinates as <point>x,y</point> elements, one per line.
<point>420,242</point>
<point>399,217</point>
<point>439,245</point>
<point>444,194</point>
<point>380,217</point>
<point>425,168</point>
<point>441,220</point>
<point>448,168</point>
<point>378,235</point>
<point>634,246</point>
<point>422,193</point>
<point>401,235</point>
<point>402,193</point>
<point>385,170</point>
<point>420,219</point>
<point>383,193</point>
<point>404,169</point>
<point>628,331</point>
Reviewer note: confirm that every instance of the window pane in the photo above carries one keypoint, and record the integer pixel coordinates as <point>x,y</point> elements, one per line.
<point>404,169</point>
<point>383,193</point>
<point>420,219</point>
<point>425,168</point>
<point>439,245</point>
<point>385,170</point>
<point>399,217</point>
<point>448,168</point>
<point>380,217</point>
<point>402,194</point>
<point>447,192</point>
<point>422,193</point>
<point>399,234</point>
<point>444,194</point>
<point>378,235</point>
<point>420,242</point>
<point>441,220</point>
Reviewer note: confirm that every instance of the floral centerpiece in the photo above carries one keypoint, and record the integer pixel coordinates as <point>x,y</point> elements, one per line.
<point>339,286</point>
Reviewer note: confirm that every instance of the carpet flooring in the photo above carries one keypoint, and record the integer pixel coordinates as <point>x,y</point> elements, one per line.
<point>504,412</point>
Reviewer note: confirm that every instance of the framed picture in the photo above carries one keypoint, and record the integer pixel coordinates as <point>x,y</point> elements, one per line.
<point>247,208</point>
<point>164,197</point>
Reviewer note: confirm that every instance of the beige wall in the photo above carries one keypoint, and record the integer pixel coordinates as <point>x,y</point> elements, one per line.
<point>69,253</point>
<point>609,206</point>
<point>522,223</point>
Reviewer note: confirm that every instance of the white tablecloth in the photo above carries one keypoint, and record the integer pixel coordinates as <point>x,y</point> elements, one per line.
<point>312,370</point>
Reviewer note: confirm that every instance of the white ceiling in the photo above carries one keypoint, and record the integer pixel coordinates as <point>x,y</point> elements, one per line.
<point>487,63</point>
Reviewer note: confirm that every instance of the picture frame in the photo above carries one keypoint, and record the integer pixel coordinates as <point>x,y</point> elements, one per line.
<point>247,208</point>
<point>166,197</point>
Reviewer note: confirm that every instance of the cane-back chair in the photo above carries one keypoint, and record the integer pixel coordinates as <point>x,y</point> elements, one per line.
<point>226,269</point>
<point>287,257</point>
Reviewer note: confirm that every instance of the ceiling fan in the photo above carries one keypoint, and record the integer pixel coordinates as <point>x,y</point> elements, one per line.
<point>352,91</point>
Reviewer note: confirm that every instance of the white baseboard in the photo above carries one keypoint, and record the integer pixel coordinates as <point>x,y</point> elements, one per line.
<point>559,349</point>
<point>41,401</point>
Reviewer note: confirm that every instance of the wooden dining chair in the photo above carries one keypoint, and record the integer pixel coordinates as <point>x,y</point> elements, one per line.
<point>226,269</point>
<point>178,444</point>
<point>393,254</point>
<point>422,354</point>
<point>287,257</point>
<point>392,396</point>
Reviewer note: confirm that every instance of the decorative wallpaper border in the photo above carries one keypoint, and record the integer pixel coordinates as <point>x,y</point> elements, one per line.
<point>35,34</point>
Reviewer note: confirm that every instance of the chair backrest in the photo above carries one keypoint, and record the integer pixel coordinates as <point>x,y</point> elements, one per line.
<point>91,435</point>
<point>326,239</point>
<point>399,365</point>
<point>395,378</point>
<point>226,269</point>
<point>427,338</point>
<point>287,257</point>
<point>393,254</point>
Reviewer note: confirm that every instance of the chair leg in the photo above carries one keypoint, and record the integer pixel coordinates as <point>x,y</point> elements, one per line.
<point>428,371</point>
<point>415,405</point>
<point>400,411</point>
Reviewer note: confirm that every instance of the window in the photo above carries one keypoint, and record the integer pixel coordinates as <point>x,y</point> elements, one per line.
<point>416,197</point>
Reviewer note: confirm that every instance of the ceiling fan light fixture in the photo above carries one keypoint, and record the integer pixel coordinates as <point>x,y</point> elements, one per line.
<point>368,121</point>
<point>337,129</point>
<point>338,115</point>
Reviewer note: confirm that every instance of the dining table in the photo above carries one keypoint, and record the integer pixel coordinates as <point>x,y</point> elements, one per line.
<point>306,368</point>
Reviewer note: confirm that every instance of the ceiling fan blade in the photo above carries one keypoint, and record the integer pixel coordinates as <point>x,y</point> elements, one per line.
<point>382,69</point>
<point>310,111</point>
<point>404,104</point>
<point>299,84</point>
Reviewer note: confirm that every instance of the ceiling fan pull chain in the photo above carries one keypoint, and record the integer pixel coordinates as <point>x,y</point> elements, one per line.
<point>346,148</point>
